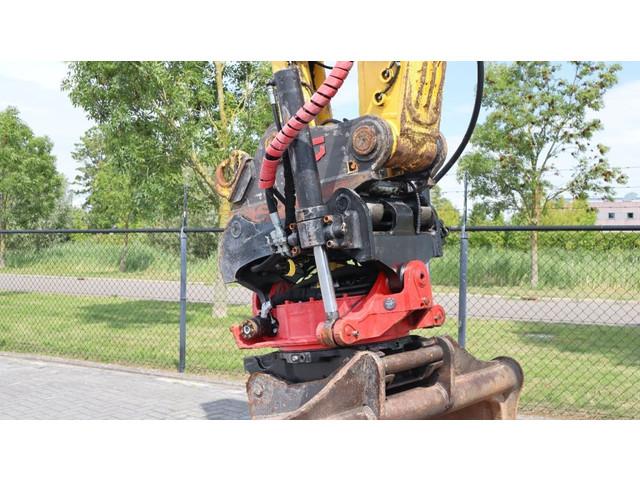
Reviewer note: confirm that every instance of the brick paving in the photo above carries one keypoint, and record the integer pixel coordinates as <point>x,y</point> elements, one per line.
<point>47,389</point>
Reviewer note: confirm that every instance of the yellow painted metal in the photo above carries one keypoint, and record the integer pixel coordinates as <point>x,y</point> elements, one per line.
<point>312,75</point>
<point>408,95</point>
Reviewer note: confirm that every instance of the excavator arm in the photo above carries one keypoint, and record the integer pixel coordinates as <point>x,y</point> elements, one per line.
<point>332,227</point>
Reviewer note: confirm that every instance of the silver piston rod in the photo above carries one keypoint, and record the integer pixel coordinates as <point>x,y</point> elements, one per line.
<point>326,283</point>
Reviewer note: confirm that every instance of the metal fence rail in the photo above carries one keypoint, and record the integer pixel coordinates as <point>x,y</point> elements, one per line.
<point>114,296</point>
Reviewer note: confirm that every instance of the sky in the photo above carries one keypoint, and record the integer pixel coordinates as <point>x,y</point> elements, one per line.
<point>34,88</point>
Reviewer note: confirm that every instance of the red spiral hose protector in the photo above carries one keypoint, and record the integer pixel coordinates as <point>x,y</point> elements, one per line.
<point>296,123</point>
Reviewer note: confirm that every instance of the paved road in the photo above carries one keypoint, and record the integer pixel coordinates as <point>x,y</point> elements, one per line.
<point>140,289</point>
<point>550,310</point>
<point>44,389</point>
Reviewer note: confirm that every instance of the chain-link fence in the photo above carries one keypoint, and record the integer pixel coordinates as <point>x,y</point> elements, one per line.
<point>574,325</point>
<point>115,297</point>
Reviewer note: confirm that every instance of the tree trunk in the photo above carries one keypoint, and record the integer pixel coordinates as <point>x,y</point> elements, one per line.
<point>221,104</point>
<point>3,226</point>
<point>124,252</point>
<point>537,214</point>
<point>220,297</point>
<point>2,251</point>
<point>534,259</point>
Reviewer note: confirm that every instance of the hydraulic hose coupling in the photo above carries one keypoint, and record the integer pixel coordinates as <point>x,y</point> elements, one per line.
<point>301,119</point>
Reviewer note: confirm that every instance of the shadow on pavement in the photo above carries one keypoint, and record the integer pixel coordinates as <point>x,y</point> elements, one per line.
<point>226,409</point>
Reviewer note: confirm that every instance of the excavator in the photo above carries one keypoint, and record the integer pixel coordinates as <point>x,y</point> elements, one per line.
<point>332,228</point>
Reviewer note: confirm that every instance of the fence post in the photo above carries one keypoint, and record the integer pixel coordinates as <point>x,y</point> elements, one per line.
<point>183,287</point>
<point>462,295</point>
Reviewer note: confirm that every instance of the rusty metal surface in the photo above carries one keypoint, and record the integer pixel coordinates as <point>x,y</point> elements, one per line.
<point>412,359</point>
<point>462,387</point>
<point>363,140</point>
<point>467,388</point>
<point>353,392</point>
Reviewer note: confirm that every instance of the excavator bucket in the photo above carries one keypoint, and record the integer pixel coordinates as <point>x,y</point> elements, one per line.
<point>439,380</point>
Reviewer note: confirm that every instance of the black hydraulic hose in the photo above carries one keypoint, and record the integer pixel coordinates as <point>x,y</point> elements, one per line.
<point>269,192</point>
<point>278,195</point>
<point>289,186</point>
<point>470,128</point>
<point>272,206</point>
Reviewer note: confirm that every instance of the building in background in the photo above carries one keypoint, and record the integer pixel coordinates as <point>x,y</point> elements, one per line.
<point>624,211</point>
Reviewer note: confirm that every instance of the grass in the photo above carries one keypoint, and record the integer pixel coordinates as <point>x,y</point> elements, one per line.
<point>102,258</point>
<point>571,370</point>
<point>133,332</point>
<point>562,273</point>
<point>525,292</point>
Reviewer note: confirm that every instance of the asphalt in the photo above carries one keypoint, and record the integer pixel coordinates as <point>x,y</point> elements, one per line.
<point>549,310</point>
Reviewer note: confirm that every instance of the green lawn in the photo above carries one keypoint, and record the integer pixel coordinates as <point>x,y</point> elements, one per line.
<point>570,370</point>
<point>563,273</point>
<point>620,292</point>
<point>581,371</point>
<point>134,332</point>
<point>99,258</point>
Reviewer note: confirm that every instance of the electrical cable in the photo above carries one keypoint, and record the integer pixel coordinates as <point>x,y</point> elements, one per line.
<point>289,200</point>
<point>390,73</point>
<point>330,120</point>
<point>323,65</point>
<point>470,128</point>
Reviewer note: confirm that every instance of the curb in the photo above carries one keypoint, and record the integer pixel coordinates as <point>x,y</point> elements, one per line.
<point>228,382</point>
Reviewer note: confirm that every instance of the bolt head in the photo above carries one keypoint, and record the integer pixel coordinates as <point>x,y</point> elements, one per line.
<point>364,140</point>
<point>389,303</point>
<point>236,229</point>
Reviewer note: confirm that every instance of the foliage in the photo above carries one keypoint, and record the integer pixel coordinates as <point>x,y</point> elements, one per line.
<point>564,241</point>
<point>30,186</point>
<point>152,256</point>
<point>114,197</point>
<point>539,114</point>
<point>568,260</point>
<point>64,215</point>
<point>157,119</point>
<point>445,208</point>
<point>536,117</point>
<point>563,212</point>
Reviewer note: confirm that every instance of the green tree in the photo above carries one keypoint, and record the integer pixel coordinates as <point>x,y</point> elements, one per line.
<point>569,212</point>
<point>481,215</point>
<point>540,112</point>
<point>159,118</point>
<point>445,208</point>
<point>114,197</point>
<point>30,186</point>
